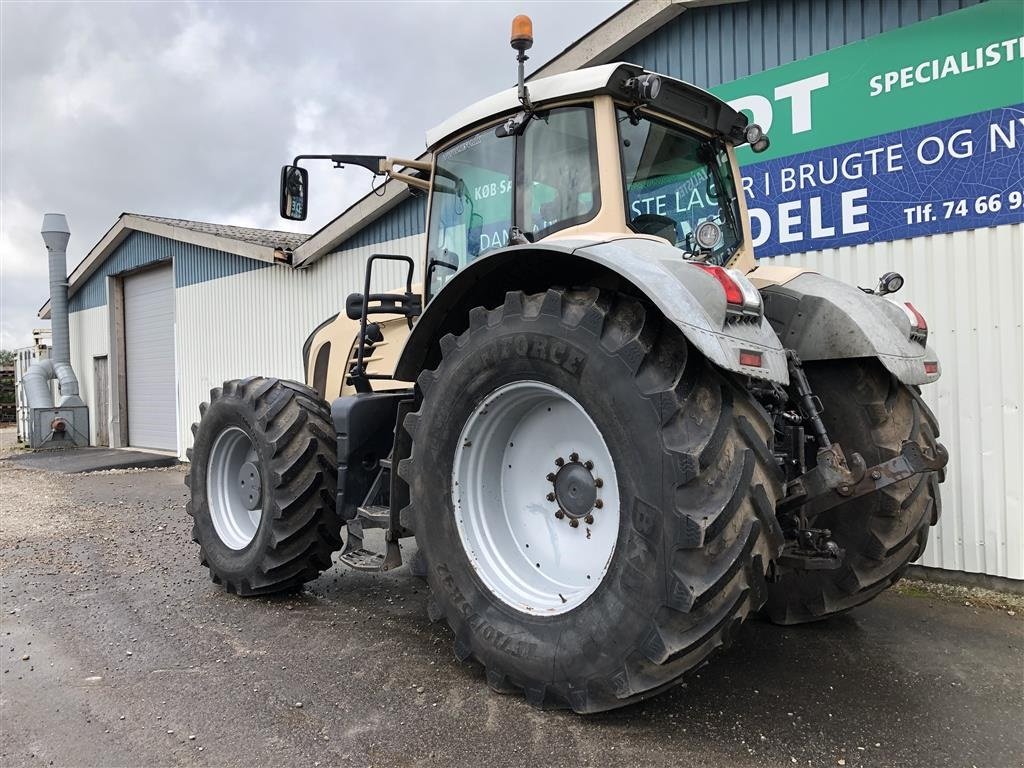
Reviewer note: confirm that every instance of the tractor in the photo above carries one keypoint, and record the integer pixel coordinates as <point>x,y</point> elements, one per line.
<point>612,434</point>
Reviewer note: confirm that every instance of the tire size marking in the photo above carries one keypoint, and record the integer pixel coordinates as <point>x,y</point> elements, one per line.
<point>486,631</point>
<point>566,356</point>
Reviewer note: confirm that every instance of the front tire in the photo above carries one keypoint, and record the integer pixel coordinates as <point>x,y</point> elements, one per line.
<point>691,490</point>
<point>262,480</point>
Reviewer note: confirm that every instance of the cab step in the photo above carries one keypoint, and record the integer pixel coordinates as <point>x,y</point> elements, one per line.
<point>366,560</point>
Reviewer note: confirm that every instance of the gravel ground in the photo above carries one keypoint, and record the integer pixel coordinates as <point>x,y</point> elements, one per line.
<point>117,650</point>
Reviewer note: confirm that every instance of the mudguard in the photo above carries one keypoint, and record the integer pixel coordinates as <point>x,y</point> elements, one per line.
<point>686,295</point>
<point>824,319</point>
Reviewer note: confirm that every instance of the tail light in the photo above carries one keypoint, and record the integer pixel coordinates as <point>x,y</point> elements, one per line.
<point>742,299</point>
<point>918,325</point>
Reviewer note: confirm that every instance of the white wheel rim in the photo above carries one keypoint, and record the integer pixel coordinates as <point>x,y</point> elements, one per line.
<point>531,559</point>
<point>234,488</point>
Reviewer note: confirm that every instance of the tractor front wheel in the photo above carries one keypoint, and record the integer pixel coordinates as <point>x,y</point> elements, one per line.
<point>262,482</point>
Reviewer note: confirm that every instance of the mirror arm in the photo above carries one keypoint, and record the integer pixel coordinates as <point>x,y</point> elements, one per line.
<point>389,166</point>
<point>417,165</point>
<point>412,181</point>
<point>373,163</point>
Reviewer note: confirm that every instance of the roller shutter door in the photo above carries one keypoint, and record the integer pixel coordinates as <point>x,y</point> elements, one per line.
<point>149,359</point>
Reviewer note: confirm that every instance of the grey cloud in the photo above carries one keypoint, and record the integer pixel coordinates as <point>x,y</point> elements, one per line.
<point>188,110</point>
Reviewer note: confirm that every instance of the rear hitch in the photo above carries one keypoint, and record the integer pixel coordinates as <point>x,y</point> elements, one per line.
<point>812,550</point>
<point>822,489</point>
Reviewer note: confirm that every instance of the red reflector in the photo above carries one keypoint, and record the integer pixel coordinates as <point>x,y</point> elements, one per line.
<point>753,359</point>
<point>919,321</point>
<point>931,368</point>
<point>733,294</point>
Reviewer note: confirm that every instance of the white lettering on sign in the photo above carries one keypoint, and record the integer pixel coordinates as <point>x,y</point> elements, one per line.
<point>853,212</point>
<point>991,55</point>
<point>799,92</point>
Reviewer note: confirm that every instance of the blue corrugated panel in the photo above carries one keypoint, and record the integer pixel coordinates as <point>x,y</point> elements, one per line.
<point>195,264</point>
<point>407,218</point>
<point>711,45</point>
<point>192,264</point>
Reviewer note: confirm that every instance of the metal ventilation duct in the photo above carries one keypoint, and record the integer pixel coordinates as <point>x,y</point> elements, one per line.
<point>63,424</point>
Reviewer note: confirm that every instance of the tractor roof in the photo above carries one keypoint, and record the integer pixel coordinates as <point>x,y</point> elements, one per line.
<point>688,102</point>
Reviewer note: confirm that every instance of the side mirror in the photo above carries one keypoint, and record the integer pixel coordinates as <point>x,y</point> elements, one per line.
<point>294,192</point>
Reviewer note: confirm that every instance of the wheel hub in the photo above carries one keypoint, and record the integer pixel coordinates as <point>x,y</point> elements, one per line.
<point>575,490</point>
<point>527,525</point>
<point>251,484</point>
<point>234,488</point>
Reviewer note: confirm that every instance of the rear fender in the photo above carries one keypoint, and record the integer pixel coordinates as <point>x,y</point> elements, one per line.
<point>648,267</point>
<point>824,319</point>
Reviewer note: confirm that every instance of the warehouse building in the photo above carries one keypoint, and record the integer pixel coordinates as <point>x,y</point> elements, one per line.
<point>895,127</point>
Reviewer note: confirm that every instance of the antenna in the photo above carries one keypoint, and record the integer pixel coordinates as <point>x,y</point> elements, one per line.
<point>522,41</point>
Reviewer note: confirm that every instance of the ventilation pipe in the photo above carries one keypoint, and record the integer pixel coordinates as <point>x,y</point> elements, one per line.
<point>66,422</point>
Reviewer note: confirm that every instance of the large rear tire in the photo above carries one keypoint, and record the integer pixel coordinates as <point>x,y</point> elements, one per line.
<point>646,584</point>
<point>263,478</point>
<point>866,409</point>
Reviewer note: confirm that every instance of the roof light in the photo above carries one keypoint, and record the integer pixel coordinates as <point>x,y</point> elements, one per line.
<point>756,138</point>
<point>644,87</point>
<point>522,33</point>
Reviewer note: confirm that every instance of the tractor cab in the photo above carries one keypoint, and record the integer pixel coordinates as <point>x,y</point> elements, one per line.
<point>605,152</point>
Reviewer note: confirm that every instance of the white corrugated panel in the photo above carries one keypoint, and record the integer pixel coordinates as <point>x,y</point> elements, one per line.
<point>149,359</point>
<point>89,339</point>
<point>968,286</point>
<point>254,323</point>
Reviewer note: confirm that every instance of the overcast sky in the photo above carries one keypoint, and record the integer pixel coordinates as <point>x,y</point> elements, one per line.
<point>188,110</point>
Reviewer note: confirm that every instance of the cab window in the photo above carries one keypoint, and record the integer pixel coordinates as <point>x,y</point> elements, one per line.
<point>559,180</point>
<point>471,206</point>
<point>541,181</point>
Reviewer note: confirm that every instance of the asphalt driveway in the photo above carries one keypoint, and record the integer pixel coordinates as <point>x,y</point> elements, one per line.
<point>117,650</point>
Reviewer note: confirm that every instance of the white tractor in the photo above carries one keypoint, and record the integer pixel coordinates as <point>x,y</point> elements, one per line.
<point>612,434</point>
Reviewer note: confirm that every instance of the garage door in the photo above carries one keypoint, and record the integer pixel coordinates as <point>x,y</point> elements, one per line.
<point>149,359</point>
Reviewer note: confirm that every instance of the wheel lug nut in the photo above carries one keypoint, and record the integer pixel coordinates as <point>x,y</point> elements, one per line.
<point>574,457</point>
<point>551,497</point>
<point>599,483</point>
<point>598,504</point>
<point>551,477</point>
<point>559,514</point>
<point>574,523</point>
<point>589,519</point>
<point>559,461</point>
<point>588,464</point>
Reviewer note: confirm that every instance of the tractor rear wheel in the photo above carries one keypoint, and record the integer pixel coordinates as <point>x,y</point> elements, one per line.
<point>262,478</point>
<point>866,409</point>
<point>594,502</point>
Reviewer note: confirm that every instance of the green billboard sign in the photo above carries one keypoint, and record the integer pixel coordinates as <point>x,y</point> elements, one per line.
<point>956,64</point>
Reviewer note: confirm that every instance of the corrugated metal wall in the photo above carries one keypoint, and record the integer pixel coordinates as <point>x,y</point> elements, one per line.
<point>711,45</point>
<point>254,323</point>
<point>968,285</point>
<point>192,264</point>
<point>89,339</point>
